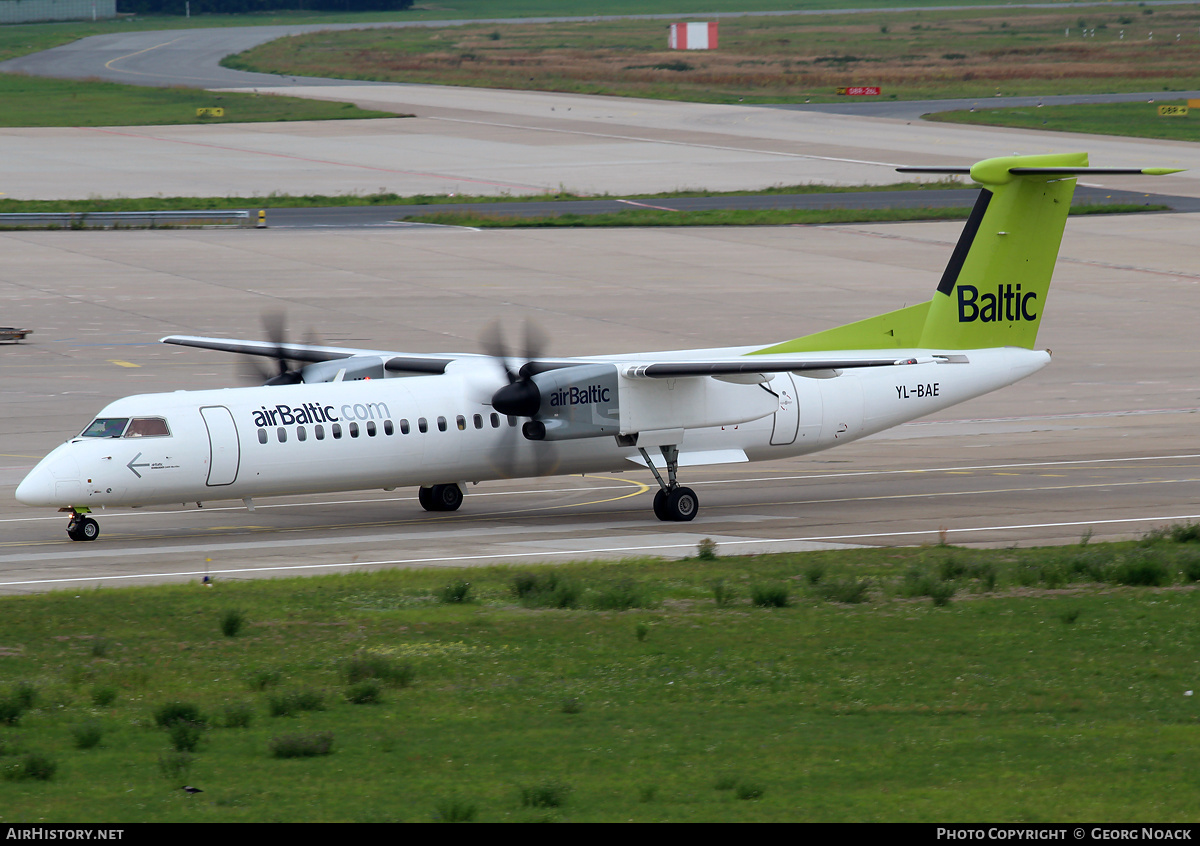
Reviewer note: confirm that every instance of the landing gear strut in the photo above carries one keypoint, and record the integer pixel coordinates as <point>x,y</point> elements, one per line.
<point>82,527</point>
<point>673,503</point>
<point>440,497</point>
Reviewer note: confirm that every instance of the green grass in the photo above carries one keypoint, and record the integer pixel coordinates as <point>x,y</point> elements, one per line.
<point>910,54</point>
<point>279,201</point>
<point>1139,120</point>
<point>1011,702</point>
<point>35,101</point>
<point>732,217</point>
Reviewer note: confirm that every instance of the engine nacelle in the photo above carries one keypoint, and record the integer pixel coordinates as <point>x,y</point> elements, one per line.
<point>576,402</point>
<point>594,400</point>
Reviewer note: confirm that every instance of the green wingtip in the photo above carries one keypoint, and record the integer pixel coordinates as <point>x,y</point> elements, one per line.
<point>1162,171</point>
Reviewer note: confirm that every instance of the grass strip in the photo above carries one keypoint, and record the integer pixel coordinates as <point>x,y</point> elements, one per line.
<point>37,101</point>
<point>384,198</point>
<point>911,684</point>
<point>734,217</point>
<point>1138,120</point>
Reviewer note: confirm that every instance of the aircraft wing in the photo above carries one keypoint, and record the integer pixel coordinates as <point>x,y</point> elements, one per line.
<point>750,364</point>
<point>398,362</point>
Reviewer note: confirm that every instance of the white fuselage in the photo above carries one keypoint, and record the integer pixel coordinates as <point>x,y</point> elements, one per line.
<point>237,443</point>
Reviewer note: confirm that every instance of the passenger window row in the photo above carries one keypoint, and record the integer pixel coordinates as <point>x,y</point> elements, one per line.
<point>336,430</point>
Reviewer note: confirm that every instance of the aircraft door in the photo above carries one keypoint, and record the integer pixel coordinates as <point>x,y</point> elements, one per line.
<point>225,453</point>
<point>787,418</point>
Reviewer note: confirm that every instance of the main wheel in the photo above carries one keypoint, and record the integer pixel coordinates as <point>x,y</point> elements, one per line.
<point>448,497</point>
<point>660,505</point>
<point>440,498</point>
<point>682,505</point>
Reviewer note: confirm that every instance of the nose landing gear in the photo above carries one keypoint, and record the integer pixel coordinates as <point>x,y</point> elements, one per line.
<point>81,527</point>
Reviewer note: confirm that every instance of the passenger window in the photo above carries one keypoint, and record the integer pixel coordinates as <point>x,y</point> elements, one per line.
<point>262,436</point>
<point>423,425</point>
<point>495,420</point>
<point>105,427</point>
<point>354,430</point>
<point>370,428</point>
<point>404,430</point>
<point>337,431</point>
<point>319,431</point>
<point>282,432</point>
<point>147,427</point>
<point>462,423</point>
<point>301,434</point>
<point>441,424</point>
<point>388,428</point>
<point>478,421</point>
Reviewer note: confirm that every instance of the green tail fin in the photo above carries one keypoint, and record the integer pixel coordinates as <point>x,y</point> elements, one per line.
<point>993,291</point>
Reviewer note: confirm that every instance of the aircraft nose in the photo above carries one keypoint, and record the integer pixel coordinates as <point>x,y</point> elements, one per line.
<point>53,482</point>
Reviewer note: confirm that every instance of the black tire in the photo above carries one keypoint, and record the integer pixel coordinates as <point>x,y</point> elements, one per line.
<point>682,505</point>
<point>448,497</point>
<point>74,530</point>
<point>90,530</point>
<point>440,498</point>
<point>660,505</point>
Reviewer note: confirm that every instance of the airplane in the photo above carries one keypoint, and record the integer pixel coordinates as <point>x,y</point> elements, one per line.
<point>357,419</point>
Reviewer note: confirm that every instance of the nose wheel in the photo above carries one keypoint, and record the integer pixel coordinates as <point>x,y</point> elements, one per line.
<point>82,528</point>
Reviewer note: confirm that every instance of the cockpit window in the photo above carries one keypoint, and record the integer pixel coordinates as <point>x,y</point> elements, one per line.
<point>105,427</point>
<point>147,427</point>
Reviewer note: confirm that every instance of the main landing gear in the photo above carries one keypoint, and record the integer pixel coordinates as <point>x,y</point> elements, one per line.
<point>440,497</point>
<point>673,502</point>
<point>82,527</point>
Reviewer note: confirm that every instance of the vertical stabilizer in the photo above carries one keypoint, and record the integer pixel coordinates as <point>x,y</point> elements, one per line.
<point>994,288</point>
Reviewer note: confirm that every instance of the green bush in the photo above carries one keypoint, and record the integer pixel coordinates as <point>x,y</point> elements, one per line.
<point>33,766</point>
<point>237,715</point>
<point>232,622</point>
<point>291,703</point>
<point>773,595</point>
<point>455,592</point>
<point>550,794</point>
<point>366,692</point>
<point>301,745</point>
<point>546,590</point>
<point>178,712</point>
<point>620,595</point>
<point>365,665</point>
<point>1140,568</point>
<point>87,735</point>
<point>184,736</point>
<point>723,594</point>
<point>454,810</point>
<point>103,696</point>
<point>846,591</point>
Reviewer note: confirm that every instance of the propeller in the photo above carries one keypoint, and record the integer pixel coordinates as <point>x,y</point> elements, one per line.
<point>252,369</point>
<point>519,398</point>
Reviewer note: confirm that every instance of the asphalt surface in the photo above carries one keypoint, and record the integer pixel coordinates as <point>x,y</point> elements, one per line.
<point>1102,441</point>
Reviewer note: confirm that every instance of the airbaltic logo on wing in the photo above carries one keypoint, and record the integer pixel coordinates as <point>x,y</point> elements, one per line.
<point>579,396</point>
<point>314,412</point>
<point>1007,304</point>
